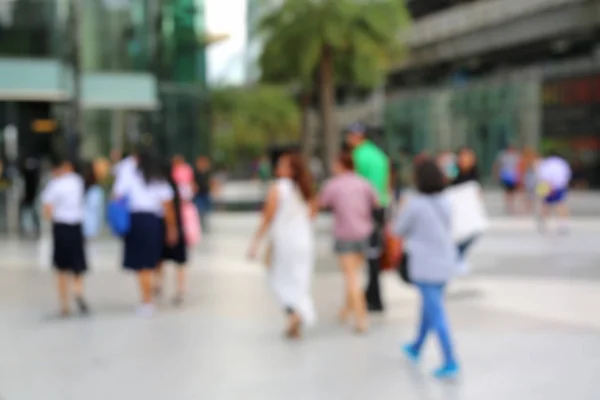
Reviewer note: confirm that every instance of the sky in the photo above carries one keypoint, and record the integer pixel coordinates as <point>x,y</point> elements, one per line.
<point>226,60</point>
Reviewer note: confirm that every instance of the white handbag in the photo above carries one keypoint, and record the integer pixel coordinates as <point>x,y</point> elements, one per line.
<point>469,217</point>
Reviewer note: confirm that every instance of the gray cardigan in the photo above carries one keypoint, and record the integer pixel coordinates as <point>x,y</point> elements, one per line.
<point>424,223</point>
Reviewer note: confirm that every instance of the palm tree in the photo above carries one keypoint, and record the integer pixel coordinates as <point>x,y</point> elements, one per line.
<point>321,43</point>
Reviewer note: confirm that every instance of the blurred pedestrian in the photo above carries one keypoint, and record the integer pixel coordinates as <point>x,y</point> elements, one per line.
<point>352,200</point>
<point>529,165</point>
<point>402,173</point>
<point>178,252</point>
<point>63,203</point>
<point>122,162</point>
<point>373,165</point>
<point>424,223</point>
<point>94,203</point>
<point>291,257</point>
<point>263,169</point>
<point>554,177</point>
<point>446,160</point>
<point>467,172</point>
<point>150,199</point>
<point>205,186</point>
<point>507,170</point>
<point>31,172</point>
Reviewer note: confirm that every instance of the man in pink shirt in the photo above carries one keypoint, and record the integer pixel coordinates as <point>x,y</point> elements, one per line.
<point>352,199</point>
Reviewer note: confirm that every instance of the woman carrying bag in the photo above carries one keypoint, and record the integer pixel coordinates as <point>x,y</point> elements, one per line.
<point>424,222</point>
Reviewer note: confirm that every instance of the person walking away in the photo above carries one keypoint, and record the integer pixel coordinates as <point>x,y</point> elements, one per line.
<point>150,199</point>
<point>183,176</point>
<point>424,223</point>
<point>507,167</point>
<point>402,172</point>
<point>467,172</point>
<point>352,200</point>
<point>31,171</point>
<point>263,170</point>
<point>63,204</point>
<point>554,177</point>
<point>93,203</point>
<point>205,186</point>
<point>373,165</point>
<point>176,253</point>
<point>447,163</point>
<point>127,163</point>
<point>529,164</point>
<point>287,218</point>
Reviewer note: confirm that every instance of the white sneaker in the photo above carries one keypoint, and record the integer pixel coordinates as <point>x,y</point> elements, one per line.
<point>145,310</point>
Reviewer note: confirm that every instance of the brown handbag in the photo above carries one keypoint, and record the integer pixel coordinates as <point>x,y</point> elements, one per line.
<point>391,252</point>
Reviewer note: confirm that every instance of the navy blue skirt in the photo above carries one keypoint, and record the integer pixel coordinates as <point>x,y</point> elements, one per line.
<point>68,248</point>
<point>144,242</point>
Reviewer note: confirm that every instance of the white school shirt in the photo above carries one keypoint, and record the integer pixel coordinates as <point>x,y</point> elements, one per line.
<point>143,197</point>
<point>124,166</point>
<point>66,195</point>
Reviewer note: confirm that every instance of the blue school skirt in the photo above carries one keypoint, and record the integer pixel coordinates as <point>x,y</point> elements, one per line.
<point>68,248</point>
<point>556,196</point>
<point>144,242</point>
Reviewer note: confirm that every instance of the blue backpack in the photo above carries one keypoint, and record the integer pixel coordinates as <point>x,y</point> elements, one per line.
<point>118,216</point>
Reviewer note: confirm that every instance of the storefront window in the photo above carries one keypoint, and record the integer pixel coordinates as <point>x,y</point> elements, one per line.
<point>28,28</point>
<point>115,35</point>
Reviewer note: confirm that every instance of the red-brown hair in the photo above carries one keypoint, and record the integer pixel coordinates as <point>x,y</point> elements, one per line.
<point>301,175</point>
<point>346,161</point>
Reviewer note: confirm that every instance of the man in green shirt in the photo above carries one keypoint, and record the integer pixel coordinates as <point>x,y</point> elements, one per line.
<point>372,164</point>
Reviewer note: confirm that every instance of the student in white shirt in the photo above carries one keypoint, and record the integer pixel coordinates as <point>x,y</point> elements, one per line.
<point>150,199</point>
<point>554,177</point>
<point>63,202</point>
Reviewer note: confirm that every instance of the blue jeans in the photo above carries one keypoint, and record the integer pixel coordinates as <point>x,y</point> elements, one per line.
<point>433,317</point>
<point>204,205</point>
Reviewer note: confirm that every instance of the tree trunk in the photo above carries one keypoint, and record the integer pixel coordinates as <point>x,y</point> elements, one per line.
<point>327,100</point>
<point>306,143</point>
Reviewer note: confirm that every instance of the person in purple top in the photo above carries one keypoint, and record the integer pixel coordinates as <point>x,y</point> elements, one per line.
<point>352,199</point>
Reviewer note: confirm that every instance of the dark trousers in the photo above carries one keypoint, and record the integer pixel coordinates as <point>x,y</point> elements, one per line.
<point>204,205</point>
<point>373,291</point>
<point>28,205</point>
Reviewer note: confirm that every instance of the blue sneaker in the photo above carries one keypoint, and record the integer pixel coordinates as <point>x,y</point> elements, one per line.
<point>410,353</point>
<point>448,371</point>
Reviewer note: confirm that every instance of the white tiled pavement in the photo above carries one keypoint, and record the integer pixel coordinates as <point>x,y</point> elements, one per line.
<point>526,324</point>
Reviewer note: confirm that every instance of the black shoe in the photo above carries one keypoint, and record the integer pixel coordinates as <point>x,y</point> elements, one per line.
<point>82,305</point>
<point>375,308</point>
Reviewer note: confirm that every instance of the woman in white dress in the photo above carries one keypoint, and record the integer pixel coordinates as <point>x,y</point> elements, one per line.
<point>287,220</point>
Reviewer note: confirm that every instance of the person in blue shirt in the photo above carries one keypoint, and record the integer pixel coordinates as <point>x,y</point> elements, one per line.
<point>93,217</point>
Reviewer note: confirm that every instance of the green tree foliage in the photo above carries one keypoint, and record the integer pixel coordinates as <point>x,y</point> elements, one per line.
<point>324,43</point>
<point>248,120</point>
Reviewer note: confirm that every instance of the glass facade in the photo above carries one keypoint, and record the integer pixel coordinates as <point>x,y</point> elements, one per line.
<point>485,117</point>
<point>115,35</point>
<point>181,51</point>
<point>31,28</point>
<point>161,42</point>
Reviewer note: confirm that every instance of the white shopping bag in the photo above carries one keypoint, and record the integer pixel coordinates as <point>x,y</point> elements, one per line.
<point>469,217</point>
